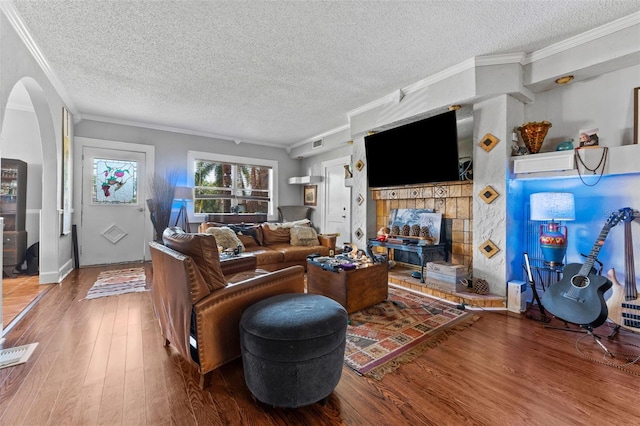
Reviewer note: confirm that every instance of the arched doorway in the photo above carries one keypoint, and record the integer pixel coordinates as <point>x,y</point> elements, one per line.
<point>28,132</point>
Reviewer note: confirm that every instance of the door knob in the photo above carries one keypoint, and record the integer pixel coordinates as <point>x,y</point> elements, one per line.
<point>140,209</point>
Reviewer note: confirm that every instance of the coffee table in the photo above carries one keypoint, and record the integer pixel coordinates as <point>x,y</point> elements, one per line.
<point>355,289</point>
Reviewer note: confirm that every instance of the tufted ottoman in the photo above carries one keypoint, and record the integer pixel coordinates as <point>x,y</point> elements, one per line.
<point>293,348</point>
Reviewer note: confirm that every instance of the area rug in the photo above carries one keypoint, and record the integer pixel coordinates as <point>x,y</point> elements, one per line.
<point>384,336</point>
<point>118,281</point>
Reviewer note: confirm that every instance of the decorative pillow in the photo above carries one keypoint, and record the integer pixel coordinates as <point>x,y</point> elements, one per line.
<point>300,222</point>
<point>247,240</point>
<point>304,236</point>
<point>274,235</point>
<point>252,230</point>
<point>225,237</point>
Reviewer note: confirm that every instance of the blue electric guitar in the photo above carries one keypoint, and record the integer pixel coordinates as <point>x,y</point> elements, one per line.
<point>578,297</point>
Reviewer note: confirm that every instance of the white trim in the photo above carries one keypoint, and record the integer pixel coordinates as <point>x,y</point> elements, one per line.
<point>586,37</point>
<point>141,124</point>
<point>340,161</point>
<point>79,143</point>
<point>212,156</point>
<point>441,76</point>
<point>18,25</point>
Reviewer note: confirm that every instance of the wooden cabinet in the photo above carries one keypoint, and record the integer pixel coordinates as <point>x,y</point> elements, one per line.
<point>13,204</point>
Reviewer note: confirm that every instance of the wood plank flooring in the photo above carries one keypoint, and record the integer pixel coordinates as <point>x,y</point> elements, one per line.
<point>18,293</point>
<point>102,362</point>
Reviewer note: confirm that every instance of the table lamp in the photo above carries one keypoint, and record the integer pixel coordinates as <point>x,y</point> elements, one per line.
<point>184,194</point>
<point>553,207</point>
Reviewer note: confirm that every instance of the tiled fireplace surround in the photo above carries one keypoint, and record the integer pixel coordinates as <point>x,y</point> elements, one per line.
<point>455,201</point>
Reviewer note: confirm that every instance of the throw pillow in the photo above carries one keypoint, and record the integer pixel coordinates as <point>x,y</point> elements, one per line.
<point>300,222</point>
<point>274,235</point>
<point>247,240</point>
<point>225,237</point>
<point>304,236</point>
<point>252,230</point>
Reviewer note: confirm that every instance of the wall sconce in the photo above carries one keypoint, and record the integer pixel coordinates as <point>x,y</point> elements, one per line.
<point>553,207</point>
<point>184,194</point>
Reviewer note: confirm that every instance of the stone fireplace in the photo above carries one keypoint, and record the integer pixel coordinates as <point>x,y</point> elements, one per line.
<point>454,200</point>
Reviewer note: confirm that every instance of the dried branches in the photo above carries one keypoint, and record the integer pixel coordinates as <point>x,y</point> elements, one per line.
<point>161,193</point>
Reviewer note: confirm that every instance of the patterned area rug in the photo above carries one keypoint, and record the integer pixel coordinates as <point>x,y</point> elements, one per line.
<point>383,337</point>
<point>119,281</point>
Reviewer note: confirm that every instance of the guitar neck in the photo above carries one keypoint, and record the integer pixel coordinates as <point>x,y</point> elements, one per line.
<point>593,254</point>
<point>630,289</point>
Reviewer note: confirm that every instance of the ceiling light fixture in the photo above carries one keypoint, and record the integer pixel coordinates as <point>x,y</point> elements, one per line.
<point>564,80</point>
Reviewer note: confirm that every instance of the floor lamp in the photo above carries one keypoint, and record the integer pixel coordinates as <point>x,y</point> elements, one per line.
<point>183,194</point>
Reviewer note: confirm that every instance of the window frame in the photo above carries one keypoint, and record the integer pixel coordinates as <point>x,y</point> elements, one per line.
<point>193,156</point>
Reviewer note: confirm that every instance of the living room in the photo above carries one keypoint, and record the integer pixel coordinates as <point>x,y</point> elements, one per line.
<point>584,100</point>
<point>501,92</point>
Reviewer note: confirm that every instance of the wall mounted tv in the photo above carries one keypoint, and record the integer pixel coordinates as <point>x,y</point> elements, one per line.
<point>421,152</point>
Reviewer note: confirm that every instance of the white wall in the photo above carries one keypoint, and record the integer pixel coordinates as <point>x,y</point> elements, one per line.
<point>17,64</point>
<point>171,151</point>
<point>20,140</point>
<point>604,102</point>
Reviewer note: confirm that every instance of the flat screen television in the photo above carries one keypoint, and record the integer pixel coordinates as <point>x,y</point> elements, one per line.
<point>421,152</point>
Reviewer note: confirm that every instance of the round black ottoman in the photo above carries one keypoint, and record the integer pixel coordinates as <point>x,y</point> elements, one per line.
<point>293,348</point>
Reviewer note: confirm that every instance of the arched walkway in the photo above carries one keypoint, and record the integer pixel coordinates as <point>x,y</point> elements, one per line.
<point>49,217</point>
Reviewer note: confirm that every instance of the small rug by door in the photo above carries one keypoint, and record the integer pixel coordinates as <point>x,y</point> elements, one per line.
<point>384,336</point>
<point>118,281</point>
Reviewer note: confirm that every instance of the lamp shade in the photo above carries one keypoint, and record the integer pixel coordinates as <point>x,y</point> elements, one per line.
<point>552,206</point>
<point>183,193</point>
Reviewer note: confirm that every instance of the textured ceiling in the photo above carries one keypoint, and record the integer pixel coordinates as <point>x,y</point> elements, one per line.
<point>278,72</point>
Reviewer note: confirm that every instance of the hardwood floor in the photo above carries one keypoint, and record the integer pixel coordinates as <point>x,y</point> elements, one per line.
<point>17,294</point>
<point>102,362</point>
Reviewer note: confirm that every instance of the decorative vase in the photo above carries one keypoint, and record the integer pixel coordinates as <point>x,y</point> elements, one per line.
<point>533,134</point>
<point>553,242</point>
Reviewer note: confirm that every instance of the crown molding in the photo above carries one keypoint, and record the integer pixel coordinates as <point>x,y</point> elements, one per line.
<point>440,76</point>
<point>18,25</point>
<point>586,37</point>
<point>112,120</point>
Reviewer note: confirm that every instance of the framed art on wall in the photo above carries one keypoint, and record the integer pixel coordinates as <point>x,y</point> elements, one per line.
<point>310,195</point>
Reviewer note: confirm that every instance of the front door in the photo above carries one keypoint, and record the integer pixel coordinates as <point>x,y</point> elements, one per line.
<point>337,200</point>
<point>113,206</point>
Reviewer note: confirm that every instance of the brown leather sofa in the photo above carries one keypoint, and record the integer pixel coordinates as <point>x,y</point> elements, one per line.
<point>272,247</point>
<point>199,299</point>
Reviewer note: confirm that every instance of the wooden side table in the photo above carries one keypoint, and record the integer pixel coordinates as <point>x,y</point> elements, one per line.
<point>356,289</point>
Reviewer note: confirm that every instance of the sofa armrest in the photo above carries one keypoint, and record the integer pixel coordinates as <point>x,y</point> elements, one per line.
<point>328,240</point>
<point>234,265</point>
<point>218,315</point>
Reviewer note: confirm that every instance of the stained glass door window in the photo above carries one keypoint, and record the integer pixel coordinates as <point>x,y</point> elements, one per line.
<point>114,182</point>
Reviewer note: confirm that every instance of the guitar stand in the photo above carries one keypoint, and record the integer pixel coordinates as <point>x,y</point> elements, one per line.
<point>614,332</point>
<point>536,300</point>
<point>589,331</point>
